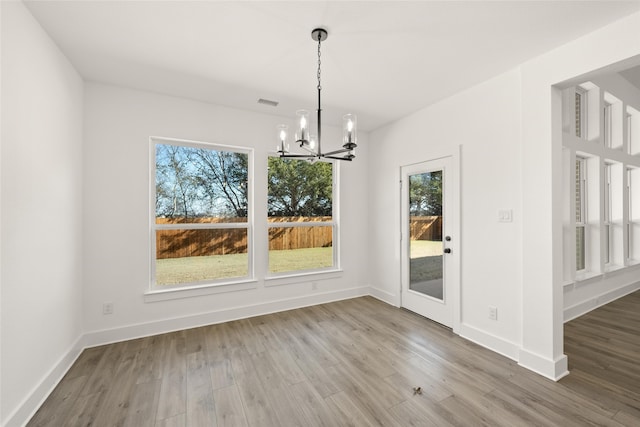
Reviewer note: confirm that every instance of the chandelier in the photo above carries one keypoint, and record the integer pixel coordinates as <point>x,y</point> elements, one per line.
<point>312,143</point>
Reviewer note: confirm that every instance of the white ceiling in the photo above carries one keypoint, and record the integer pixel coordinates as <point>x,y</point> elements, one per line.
<point>383,59</point>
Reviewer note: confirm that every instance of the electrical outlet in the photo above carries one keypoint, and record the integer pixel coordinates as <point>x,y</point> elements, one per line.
<point>107,308</point>
<point>493,313</point>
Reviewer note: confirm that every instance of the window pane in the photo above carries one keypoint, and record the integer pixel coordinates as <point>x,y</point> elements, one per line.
<point>300,248</point>
<point>298,188</point>
<point>186,256</point>
<point>608,123</point>
<point>579,190</point>
<point>195,185</point>
<point>607,246</point>
<point>425,233</point>
<point>607,193</point>
<point>578,105</point>
<point>580,248</point>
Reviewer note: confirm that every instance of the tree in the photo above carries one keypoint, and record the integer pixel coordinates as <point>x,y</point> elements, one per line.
<point>299,188</point>
<point>200,182</point>
<point>425,194</point>
<point>176,188</point>
<point>223,177</point>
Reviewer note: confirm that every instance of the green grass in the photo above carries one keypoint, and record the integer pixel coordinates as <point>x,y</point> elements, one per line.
<point>300,259</point>
<point>173,271</point>
<point>422,248</point>
<point>426,262</point>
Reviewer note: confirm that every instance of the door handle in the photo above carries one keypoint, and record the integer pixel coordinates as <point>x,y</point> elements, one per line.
<point>447,250</point>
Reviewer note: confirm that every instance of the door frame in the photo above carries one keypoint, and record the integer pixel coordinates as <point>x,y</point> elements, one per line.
<point>455,186</point>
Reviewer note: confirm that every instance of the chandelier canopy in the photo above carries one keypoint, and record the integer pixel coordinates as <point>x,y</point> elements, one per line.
<point>312,143</point>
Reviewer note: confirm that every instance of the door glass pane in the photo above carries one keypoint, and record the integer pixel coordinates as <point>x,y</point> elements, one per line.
<point>425,233</point>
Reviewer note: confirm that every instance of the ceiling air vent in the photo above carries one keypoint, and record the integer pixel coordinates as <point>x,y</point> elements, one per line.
<point>268,102</point>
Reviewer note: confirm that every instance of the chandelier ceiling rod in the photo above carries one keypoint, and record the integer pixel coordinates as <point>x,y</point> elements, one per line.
<point>303,136</point>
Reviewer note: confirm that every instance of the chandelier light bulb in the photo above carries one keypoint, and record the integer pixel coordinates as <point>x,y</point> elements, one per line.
<point>349,136</point>
<point>283,133</point>
<point>302,137</point>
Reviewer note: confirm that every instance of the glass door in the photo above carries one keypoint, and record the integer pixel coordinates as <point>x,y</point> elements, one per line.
<point>427,242</point>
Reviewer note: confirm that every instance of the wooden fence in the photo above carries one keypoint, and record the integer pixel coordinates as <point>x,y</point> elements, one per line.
<point>200,242</point>
<point>425,228</point>
<point>282,238</point>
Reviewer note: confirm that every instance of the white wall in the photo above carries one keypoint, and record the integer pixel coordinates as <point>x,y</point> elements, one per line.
<point>41,213</point>
<point>542,299</point>
<point>118,124</point>
<point>485,121</point>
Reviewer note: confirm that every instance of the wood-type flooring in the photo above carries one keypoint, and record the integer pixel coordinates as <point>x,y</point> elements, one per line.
<point>350,363</point>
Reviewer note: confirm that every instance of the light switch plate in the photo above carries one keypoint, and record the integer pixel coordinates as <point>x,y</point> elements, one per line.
<point>505,215</point>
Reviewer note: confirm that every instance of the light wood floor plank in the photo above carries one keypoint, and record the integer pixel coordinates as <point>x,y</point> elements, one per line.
<point>200,404</point>
<point>345,412</point>
<point>173,392</point>
<point>175,421</point>
<point>144,405</point>
<point>229,411</point>
<point>62,399</point>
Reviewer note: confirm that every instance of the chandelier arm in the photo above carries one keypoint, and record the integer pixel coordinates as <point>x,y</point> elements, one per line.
<point>348,159</point>
<point>340,151</point>
<point>299,156</point>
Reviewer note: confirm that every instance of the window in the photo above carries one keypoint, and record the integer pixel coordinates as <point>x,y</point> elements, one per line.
<point>581,113</point>
<point>607,214</point>
<point>628,124</point>
<point>581,184</point>
<point>633,130</point>
<point>201,225</point>
<point>301,221</point>
<point>607,131</point>
<point>633,222</point>
<point>630,217</point>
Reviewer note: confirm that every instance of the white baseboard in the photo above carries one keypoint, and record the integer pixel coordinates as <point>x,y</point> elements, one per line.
<point>28,407</point>
<point>596,301</point>
<point>384,296</point>
<point>107,336</point>
<point>552,369</point>
<point>492,342</point>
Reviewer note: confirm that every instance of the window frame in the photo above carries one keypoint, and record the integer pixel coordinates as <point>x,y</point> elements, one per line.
<point>215,285</point>
<point>334,223</point>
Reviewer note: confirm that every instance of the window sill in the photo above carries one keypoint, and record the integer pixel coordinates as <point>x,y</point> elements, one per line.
<point>612,267</point>
<point>196,291</point>
<point>586,275</point>
<point>309,276</point>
